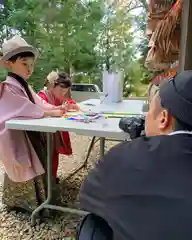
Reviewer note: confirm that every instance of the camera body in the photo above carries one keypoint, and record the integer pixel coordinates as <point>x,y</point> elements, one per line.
<point>133,125</point>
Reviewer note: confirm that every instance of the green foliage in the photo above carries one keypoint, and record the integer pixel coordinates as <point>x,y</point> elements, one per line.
<point>64,31</point>
<point>79,37</point>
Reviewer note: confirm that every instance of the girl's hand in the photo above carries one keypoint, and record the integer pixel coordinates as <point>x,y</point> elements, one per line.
<point>58,113</point>
<point>64,107</point>
<point>73,107</point>
<point>61,107</point>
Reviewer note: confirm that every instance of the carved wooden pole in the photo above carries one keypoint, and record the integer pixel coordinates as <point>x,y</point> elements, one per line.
<point>185,59</point>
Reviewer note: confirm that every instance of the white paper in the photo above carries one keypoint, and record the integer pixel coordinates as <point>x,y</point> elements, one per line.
<point>112,87</point>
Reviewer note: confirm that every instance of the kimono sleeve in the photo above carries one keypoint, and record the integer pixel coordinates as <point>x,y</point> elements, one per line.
<point>42,102</point>
<point>15,105</point>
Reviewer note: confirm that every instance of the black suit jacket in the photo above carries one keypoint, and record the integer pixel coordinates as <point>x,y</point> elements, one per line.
<point>143,188</point>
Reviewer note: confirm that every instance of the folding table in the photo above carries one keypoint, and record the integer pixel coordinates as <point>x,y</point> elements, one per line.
<point>103,129</point>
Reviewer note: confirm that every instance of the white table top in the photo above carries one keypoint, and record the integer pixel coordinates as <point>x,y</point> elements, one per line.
<point>130,105</point>
<point>103,128</point>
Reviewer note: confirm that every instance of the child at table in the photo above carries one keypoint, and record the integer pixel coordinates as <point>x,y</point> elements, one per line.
<point>57,91</point>
<point>23,153</point>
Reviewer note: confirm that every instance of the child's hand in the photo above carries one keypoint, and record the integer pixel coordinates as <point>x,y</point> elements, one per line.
<point>58,112</point>
<point>63,107</point>
<point>54,113</point>
<point>72,107</point>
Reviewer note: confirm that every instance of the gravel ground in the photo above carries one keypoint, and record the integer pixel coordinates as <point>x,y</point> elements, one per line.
<point>17,226</point>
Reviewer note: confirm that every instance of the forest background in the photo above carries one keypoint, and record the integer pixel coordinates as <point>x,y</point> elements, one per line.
<point>82,37</point>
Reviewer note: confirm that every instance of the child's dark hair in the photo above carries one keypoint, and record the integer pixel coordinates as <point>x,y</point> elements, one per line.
<point>21,55</point>
<point>63,80</point>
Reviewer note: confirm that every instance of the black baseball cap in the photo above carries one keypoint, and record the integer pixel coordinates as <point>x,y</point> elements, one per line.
<point>176,96</point>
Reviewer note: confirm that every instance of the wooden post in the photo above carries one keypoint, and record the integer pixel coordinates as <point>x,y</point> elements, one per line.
<point>185,59</point>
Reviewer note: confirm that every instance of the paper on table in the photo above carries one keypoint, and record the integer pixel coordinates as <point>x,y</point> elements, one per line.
<point>82,117</point>
<point>129,107</point>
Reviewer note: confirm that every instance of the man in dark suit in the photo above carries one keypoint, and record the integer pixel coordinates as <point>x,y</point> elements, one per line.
<point>143,188</point>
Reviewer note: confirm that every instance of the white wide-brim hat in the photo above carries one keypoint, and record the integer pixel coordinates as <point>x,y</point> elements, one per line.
<point>15,46</point>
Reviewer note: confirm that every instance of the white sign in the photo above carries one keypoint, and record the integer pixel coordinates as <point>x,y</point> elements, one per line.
<point>112,87</point>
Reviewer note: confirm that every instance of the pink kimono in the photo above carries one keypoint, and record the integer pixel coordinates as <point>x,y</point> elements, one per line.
<point>16,152</point>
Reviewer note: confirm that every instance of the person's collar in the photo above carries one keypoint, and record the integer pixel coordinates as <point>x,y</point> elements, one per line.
<point>180,132</point>
<point>13,82</point>
<point>10,80</point>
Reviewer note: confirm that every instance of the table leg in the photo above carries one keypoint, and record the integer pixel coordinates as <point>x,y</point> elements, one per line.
<point>49,190</point>
<point>102,152</point>
<point>49,178</point>
<point>102,147</point>
<point>89,151</point>
<point>84,164</point>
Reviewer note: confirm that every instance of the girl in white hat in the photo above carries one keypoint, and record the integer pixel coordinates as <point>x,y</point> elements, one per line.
<point>58,91</point>
<point>23,153</point>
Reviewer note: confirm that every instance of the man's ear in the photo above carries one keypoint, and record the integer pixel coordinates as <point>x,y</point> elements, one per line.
<point>164,119</point>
